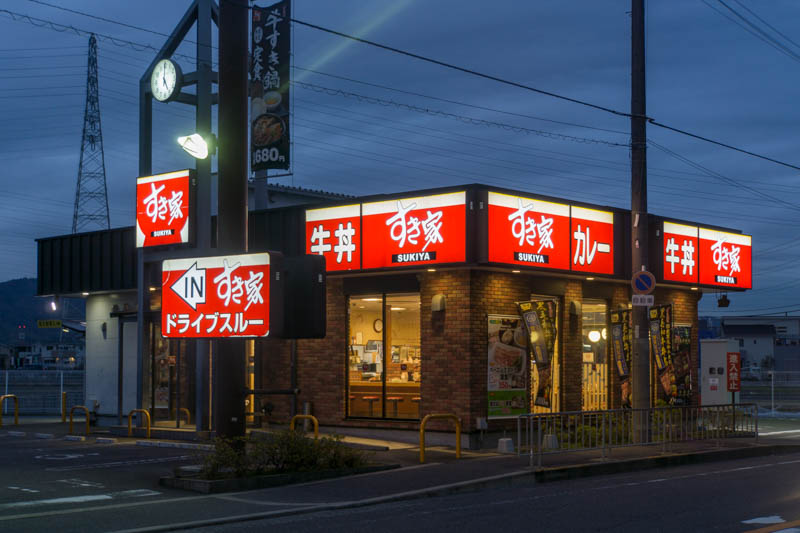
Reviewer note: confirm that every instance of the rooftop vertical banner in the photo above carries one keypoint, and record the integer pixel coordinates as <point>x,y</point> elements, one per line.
<point>269,87</point>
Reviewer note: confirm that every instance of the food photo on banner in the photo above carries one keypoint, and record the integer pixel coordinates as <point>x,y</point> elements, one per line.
<point>661,349</point>
<point>269,87</point>
<point>539,320</point>
<point>507,350</point>
<point>621,345</point>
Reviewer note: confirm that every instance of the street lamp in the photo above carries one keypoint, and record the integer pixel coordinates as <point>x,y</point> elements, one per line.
<point>198,147</point>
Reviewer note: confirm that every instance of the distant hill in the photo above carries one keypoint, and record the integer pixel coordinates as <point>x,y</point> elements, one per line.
<point>20,307</point>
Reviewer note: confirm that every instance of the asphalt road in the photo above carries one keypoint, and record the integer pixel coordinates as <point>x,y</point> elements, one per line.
<point>741,495</point>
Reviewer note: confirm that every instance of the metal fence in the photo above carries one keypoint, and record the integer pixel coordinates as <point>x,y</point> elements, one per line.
<point>540,434</point>
<point>39,391</point>
<point>775,393</point>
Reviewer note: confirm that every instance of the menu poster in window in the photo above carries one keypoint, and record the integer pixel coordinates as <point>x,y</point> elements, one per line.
<point>681,364</point>
<point>661,346</point>
<point>425,230</point>
<point>539,320</point>
<point>506,367</point>
<point>525,231</point>
<point>621,346</point>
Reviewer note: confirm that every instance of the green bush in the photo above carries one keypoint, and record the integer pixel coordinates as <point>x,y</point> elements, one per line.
<point>285,451</point>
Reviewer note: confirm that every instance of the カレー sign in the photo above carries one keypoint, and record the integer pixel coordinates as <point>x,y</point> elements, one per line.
<point>592,240</point>
<point>525,231</point>
<point>734,368</point>
<point>225,296</point>
<point>725,259</point>
<point>414,231</point>
<point>163,209</point>
<point>335,233</point>
<point>680,253</point>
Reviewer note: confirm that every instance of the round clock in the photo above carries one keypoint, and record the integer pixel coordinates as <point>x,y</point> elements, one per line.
<point>166,80</point>
<point>377,325</point>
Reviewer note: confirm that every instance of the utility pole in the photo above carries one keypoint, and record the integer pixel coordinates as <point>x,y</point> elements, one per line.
<point>641,346</point>
<point>229,358</point>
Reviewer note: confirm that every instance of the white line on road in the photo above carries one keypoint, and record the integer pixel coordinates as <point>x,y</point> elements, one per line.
<point>116,464</point>
<point>137,493</point>
<point>774,519</point>
<point>778,432</point>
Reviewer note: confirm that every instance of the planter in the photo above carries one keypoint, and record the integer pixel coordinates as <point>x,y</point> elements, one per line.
<point>213,486</point>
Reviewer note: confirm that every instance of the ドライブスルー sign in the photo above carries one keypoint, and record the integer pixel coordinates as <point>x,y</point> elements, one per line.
<point>269,86</point>
<point>226,296</point>
<point>163,209</point>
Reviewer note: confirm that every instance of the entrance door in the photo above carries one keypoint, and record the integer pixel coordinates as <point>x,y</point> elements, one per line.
<point>594,331</point>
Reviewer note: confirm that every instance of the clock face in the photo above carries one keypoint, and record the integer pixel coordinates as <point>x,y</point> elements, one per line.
<point>164,81</point>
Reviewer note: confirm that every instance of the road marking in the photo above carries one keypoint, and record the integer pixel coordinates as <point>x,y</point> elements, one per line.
<point>137,493</point>
<point>59,456</point>
<point>116,464</point>
<point>75,482</point>
<point>778,432</point>
<point>774,519</point>
<point>98,508</point>
<point>22,489</point>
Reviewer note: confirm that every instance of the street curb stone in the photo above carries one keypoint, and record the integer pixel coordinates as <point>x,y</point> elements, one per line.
<point>16,433</point>
<point>105,440</point>
<point>77,438</point>
<point>181,445</point>
<point>44,435</point>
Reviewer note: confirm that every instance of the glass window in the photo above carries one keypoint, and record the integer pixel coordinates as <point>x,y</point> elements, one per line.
<point>384,357</point>
<point>595,368</point>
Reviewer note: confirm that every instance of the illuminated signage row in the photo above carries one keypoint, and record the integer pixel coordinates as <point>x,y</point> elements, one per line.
<point>692,254</point>
<point>514,230</point>
<point>525,231</point>
<point>163,209</point>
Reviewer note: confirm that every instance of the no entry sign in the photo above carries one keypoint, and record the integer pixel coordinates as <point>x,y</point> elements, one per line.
<point>225,296</point>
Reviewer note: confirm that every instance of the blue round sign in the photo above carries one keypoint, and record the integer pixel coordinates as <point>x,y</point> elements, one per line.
<point>643,282</point>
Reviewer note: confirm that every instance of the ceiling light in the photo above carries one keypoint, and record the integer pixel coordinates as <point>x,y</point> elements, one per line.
<point>198,147</point>
<point>431,270</point>
<point>152,289</point>
<point>398,308</point>
<point>590,278</point>
<point>594,335</point>
<point>84,294</point>
<point>694,288</point>
<point>515,271</point>
<point>370,299</point>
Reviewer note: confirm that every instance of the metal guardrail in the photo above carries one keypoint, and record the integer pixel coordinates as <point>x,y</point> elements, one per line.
<point>5,397</point>
<point>85,411</point>
<point>541,434</point>
<point>313,419</point>
<point>422,424</point>
<point>146,414</point>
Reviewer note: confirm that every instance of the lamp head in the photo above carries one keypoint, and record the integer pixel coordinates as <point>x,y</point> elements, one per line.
<point>198,147</point>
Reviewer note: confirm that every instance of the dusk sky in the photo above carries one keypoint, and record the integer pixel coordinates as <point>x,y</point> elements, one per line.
<point>708,72</point>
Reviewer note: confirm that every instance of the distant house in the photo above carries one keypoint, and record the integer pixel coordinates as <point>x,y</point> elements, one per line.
<point>756,343</point>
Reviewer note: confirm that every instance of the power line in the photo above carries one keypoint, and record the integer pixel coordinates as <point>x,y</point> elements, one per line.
<point>462,118</point>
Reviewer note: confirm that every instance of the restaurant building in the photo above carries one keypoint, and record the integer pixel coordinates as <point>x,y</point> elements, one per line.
<point>474,300</point>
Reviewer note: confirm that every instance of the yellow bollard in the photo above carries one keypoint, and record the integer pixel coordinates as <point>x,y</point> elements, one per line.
<point>454,418</point>
<point>146,418</point>
<point>308,417</point>
<point>16,408</point>
<point>72,411</point>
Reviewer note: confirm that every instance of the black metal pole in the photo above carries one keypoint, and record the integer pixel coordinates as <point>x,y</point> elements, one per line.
<point>641,348</point>
<point>232,199</point>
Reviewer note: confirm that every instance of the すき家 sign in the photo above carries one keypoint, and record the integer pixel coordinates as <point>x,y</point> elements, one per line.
<point>725,259</point>
<point>225,296</point>
<point>163,209</point>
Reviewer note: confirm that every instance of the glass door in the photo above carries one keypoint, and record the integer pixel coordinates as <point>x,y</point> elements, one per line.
<point>594,333</point>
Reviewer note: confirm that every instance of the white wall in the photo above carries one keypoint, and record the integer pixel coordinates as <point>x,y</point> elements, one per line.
<point>101,353</point>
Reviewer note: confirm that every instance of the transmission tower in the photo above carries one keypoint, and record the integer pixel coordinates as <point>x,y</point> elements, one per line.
<point>91,196</point>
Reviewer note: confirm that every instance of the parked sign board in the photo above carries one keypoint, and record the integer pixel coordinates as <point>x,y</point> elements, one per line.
<point>224,296</point>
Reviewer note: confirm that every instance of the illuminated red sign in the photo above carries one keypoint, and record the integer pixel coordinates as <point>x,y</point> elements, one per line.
<point>680,253</point>
<point>335,232</point>
<point>725,259</point>
<point>414,231</point>
<point>525,231</point>
<point>226,296</point>
<point>592,240</point>
<point>162,209</point>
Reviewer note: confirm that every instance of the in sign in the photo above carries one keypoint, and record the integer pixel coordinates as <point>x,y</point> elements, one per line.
<point>227,296</point>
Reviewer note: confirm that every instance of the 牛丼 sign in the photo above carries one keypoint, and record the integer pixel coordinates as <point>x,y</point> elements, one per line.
<point>225,296</point>
<point>163,209</point>
<point>335,233</point>
<point>680,253</point>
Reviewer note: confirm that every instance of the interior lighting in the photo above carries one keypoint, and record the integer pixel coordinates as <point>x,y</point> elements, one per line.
<point>594,335</point>
<point>431,270</point>
<point>515,271</point>
<point>694,288</point>
<point>84,294</point>
<point>370,299</point>
<point>603,333</point>
<point>398,308</point>
<point>152,289</point>
<point>590,278</point>
<point>196,146</point>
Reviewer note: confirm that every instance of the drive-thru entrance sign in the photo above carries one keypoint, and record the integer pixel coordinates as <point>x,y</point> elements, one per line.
<point>225,296</point>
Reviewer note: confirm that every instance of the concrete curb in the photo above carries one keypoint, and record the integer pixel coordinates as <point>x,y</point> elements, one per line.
<point>105,440</point>
<point>44,435</point>
<point>16,433</point>
<point>501,480</point>
<point>76,438</point>
<point>181,445</point>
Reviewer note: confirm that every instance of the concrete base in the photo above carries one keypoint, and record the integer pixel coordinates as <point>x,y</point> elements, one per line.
<point>505,445</point>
